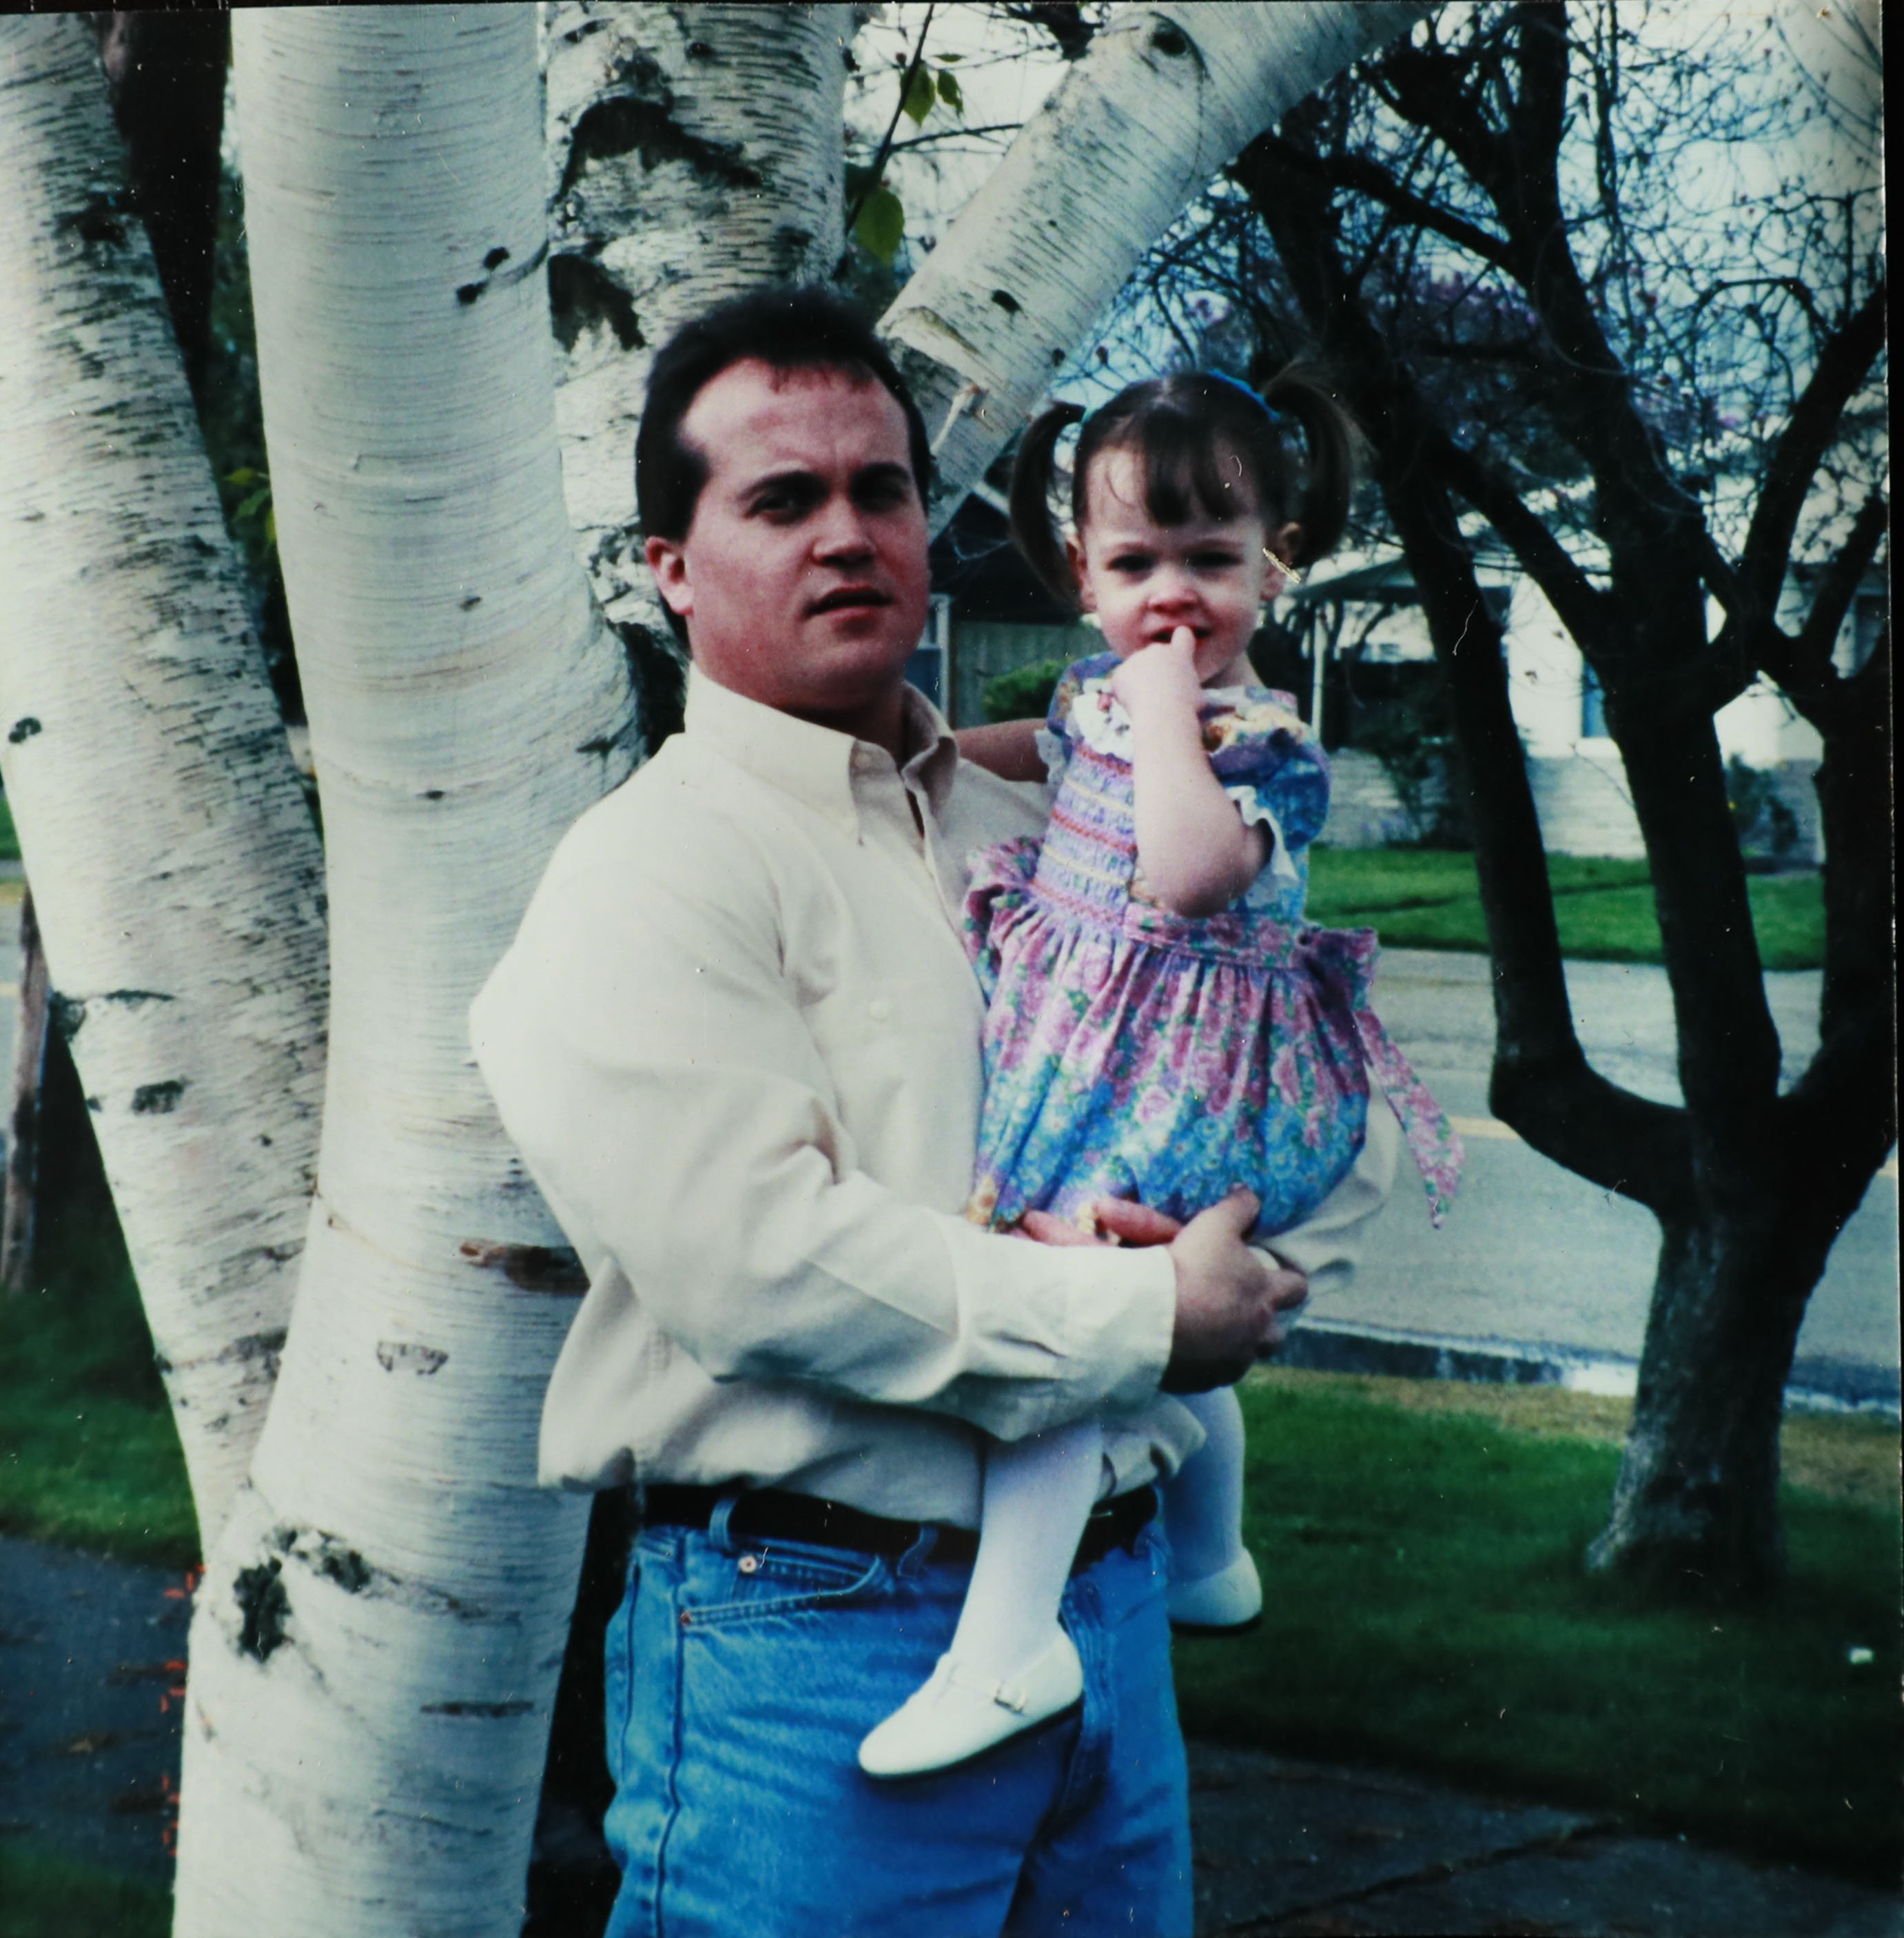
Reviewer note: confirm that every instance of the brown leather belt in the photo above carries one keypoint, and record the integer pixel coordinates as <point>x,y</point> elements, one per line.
<point>772,1514</point>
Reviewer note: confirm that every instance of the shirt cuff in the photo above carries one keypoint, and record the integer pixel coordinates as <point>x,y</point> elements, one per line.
<point>1097,1321</point>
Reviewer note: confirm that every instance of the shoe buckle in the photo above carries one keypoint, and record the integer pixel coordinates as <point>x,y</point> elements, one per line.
<point>1008,1697</point>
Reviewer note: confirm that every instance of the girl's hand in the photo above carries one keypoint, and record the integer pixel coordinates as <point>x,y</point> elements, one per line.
<point>1162,678</point>
<point>1121,1220</point>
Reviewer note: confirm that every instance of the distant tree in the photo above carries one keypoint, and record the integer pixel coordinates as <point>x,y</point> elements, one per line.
<point>1586,282</point>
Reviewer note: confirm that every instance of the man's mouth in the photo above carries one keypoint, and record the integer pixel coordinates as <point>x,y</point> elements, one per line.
<point>848,599</point>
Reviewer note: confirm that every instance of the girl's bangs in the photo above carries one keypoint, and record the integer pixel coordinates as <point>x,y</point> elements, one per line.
<point>1189,473</point>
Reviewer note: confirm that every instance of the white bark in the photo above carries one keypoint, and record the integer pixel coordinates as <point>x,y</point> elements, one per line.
<point>1165,96</point>
<point>176,873</point>
<point>695,152</point>
<point>376,1648</point>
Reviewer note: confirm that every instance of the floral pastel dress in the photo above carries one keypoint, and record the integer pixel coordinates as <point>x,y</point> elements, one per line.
<point>1130,1051</point>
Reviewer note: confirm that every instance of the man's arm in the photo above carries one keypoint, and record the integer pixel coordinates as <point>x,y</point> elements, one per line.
<point>649,1057</point>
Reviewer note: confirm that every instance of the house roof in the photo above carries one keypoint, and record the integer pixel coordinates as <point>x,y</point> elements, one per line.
<point>976,564</point>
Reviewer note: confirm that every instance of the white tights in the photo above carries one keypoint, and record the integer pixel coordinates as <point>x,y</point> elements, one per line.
<point>1038,1493</point>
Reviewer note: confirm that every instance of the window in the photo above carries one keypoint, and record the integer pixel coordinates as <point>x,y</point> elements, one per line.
<point>1592,705</point>
<point>926,669</point>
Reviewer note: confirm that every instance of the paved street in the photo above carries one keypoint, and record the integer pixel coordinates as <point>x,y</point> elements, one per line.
<point>1529,1253</point>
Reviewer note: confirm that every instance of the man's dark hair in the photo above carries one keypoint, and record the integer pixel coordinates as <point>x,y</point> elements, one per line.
<point>788,329</point>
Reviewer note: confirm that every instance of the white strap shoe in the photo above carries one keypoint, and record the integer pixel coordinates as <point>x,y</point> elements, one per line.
<point>1224,1603</point>
<point>959,1713</point>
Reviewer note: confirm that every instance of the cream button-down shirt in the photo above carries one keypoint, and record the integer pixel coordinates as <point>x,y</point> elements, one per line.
<point>736,1041</point>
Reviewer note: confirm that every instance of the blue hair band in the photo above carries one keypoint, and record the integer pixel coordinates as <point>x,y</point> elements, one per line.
<point>1256,396</point>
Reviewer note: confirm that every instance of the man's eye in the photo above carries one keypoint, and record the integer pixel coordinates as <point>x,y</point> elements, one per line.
<point>884,494</point>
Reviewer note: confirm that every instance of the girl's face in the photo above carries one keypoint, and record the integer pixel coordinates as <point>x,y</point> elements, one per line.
<point>1143,580</point>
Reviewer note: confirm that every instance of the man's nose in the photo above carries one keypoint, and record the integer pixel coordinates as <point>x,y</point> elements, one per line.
<point>840,532</point>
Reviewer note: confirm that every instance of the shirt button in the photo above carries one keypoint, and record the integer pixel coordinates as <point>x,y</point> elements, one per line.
<point>749,1564</point>
<point>879,1009</point>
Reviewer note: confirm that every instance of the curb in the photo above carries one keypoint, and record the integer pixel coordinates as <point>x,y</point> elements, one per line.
<point>1816,1385</point>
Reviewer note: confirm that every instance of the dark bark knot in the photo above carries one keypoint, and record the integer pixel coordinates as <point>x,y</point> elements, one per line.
<point>1169,39</point>
<point>628,124</point>
<point>66,1014</point>
<point>345,1567</point>
<point>532,1267</point>
<point>396,1356</point>
<point>23,729</point>
<point>482,1709</point>
<point>498,278</point>
<point>1005,301</point>
<point>158,1100</point>
<point>265,1607</point>
<point>582,294</point>
<point>102,219</point>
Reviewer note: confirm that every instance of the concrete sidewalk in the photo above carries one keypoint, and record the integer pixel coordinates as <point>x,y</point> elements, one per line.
<point>88,1755</point>
<point>1287,1849</point>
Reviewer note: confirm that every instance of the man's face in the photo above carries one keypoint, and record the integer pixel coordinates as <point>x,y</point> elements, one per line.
<point>802,578</point>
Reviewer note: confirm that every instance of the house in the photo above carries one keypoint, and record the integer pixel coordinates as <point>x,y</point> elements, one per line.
<point>1351,643</point>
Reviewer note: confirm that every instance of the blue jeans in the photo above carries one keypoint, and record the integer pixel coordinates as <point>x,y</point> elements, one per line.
<point>741,1678</point>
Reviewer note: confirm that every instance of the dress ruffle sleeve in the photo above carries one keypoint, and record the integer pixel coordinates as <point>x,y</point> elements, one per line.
<point>1261,750</point>
<point>1056,736</point>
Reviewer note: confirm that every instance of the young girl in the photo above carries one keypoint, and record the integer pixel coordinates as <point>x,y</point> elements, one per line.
<point>1163,1025</point>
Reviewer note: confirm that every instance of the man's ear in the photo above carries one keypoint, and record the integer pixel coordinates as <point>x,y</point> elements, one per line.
<point>1284,540</point>
<point>1074,558</point>
<point>668,563</point>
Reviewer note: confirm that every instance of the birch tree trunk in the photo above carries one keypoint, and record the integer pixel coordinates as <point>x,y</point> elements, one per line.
<point>174,867</point>
<point>1164,97</point>
<point>19,1204</point>
<point>375,1645</point>
<point>694,152</point>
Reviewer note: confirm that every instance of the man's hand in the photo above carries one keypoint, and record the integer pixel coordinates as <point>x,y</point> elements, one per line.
<point>1231,1308</point>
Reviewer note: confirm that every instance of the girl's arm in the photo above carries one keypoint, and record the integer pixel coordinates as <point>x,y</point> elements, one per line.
<point>1009,750</point>
<point>1196,853</point>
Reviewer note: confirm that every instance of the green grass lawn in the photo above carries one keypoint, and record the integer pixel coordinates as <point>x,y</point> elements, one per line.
<point>1428,1609</point>
<point>1421,1543</point>
<point>41,1895</point>
<point>88,1457</point>
<point>1419,898</point>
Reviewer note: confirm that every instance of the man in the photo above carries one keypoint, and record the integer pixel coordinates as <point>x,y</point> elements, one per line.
<point>737,1040</point>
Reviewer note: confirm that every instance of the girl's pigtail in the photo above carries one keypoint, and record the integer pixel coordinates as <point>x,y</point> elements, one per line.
<point>1033,531</point>
<point>1334,443</point>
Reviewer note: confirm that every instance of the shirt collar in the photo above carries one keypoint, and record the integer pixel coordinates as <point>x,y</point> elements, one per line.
<point>817,764</point>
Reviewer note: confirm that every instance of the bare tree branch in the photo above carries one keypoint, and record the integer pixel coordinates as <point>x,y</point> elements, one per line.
<point>1369,177</point>
<point>1584,609</point>
<point>1841,578</point>
<point>1844,361</point>
<point>1064,20</point>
